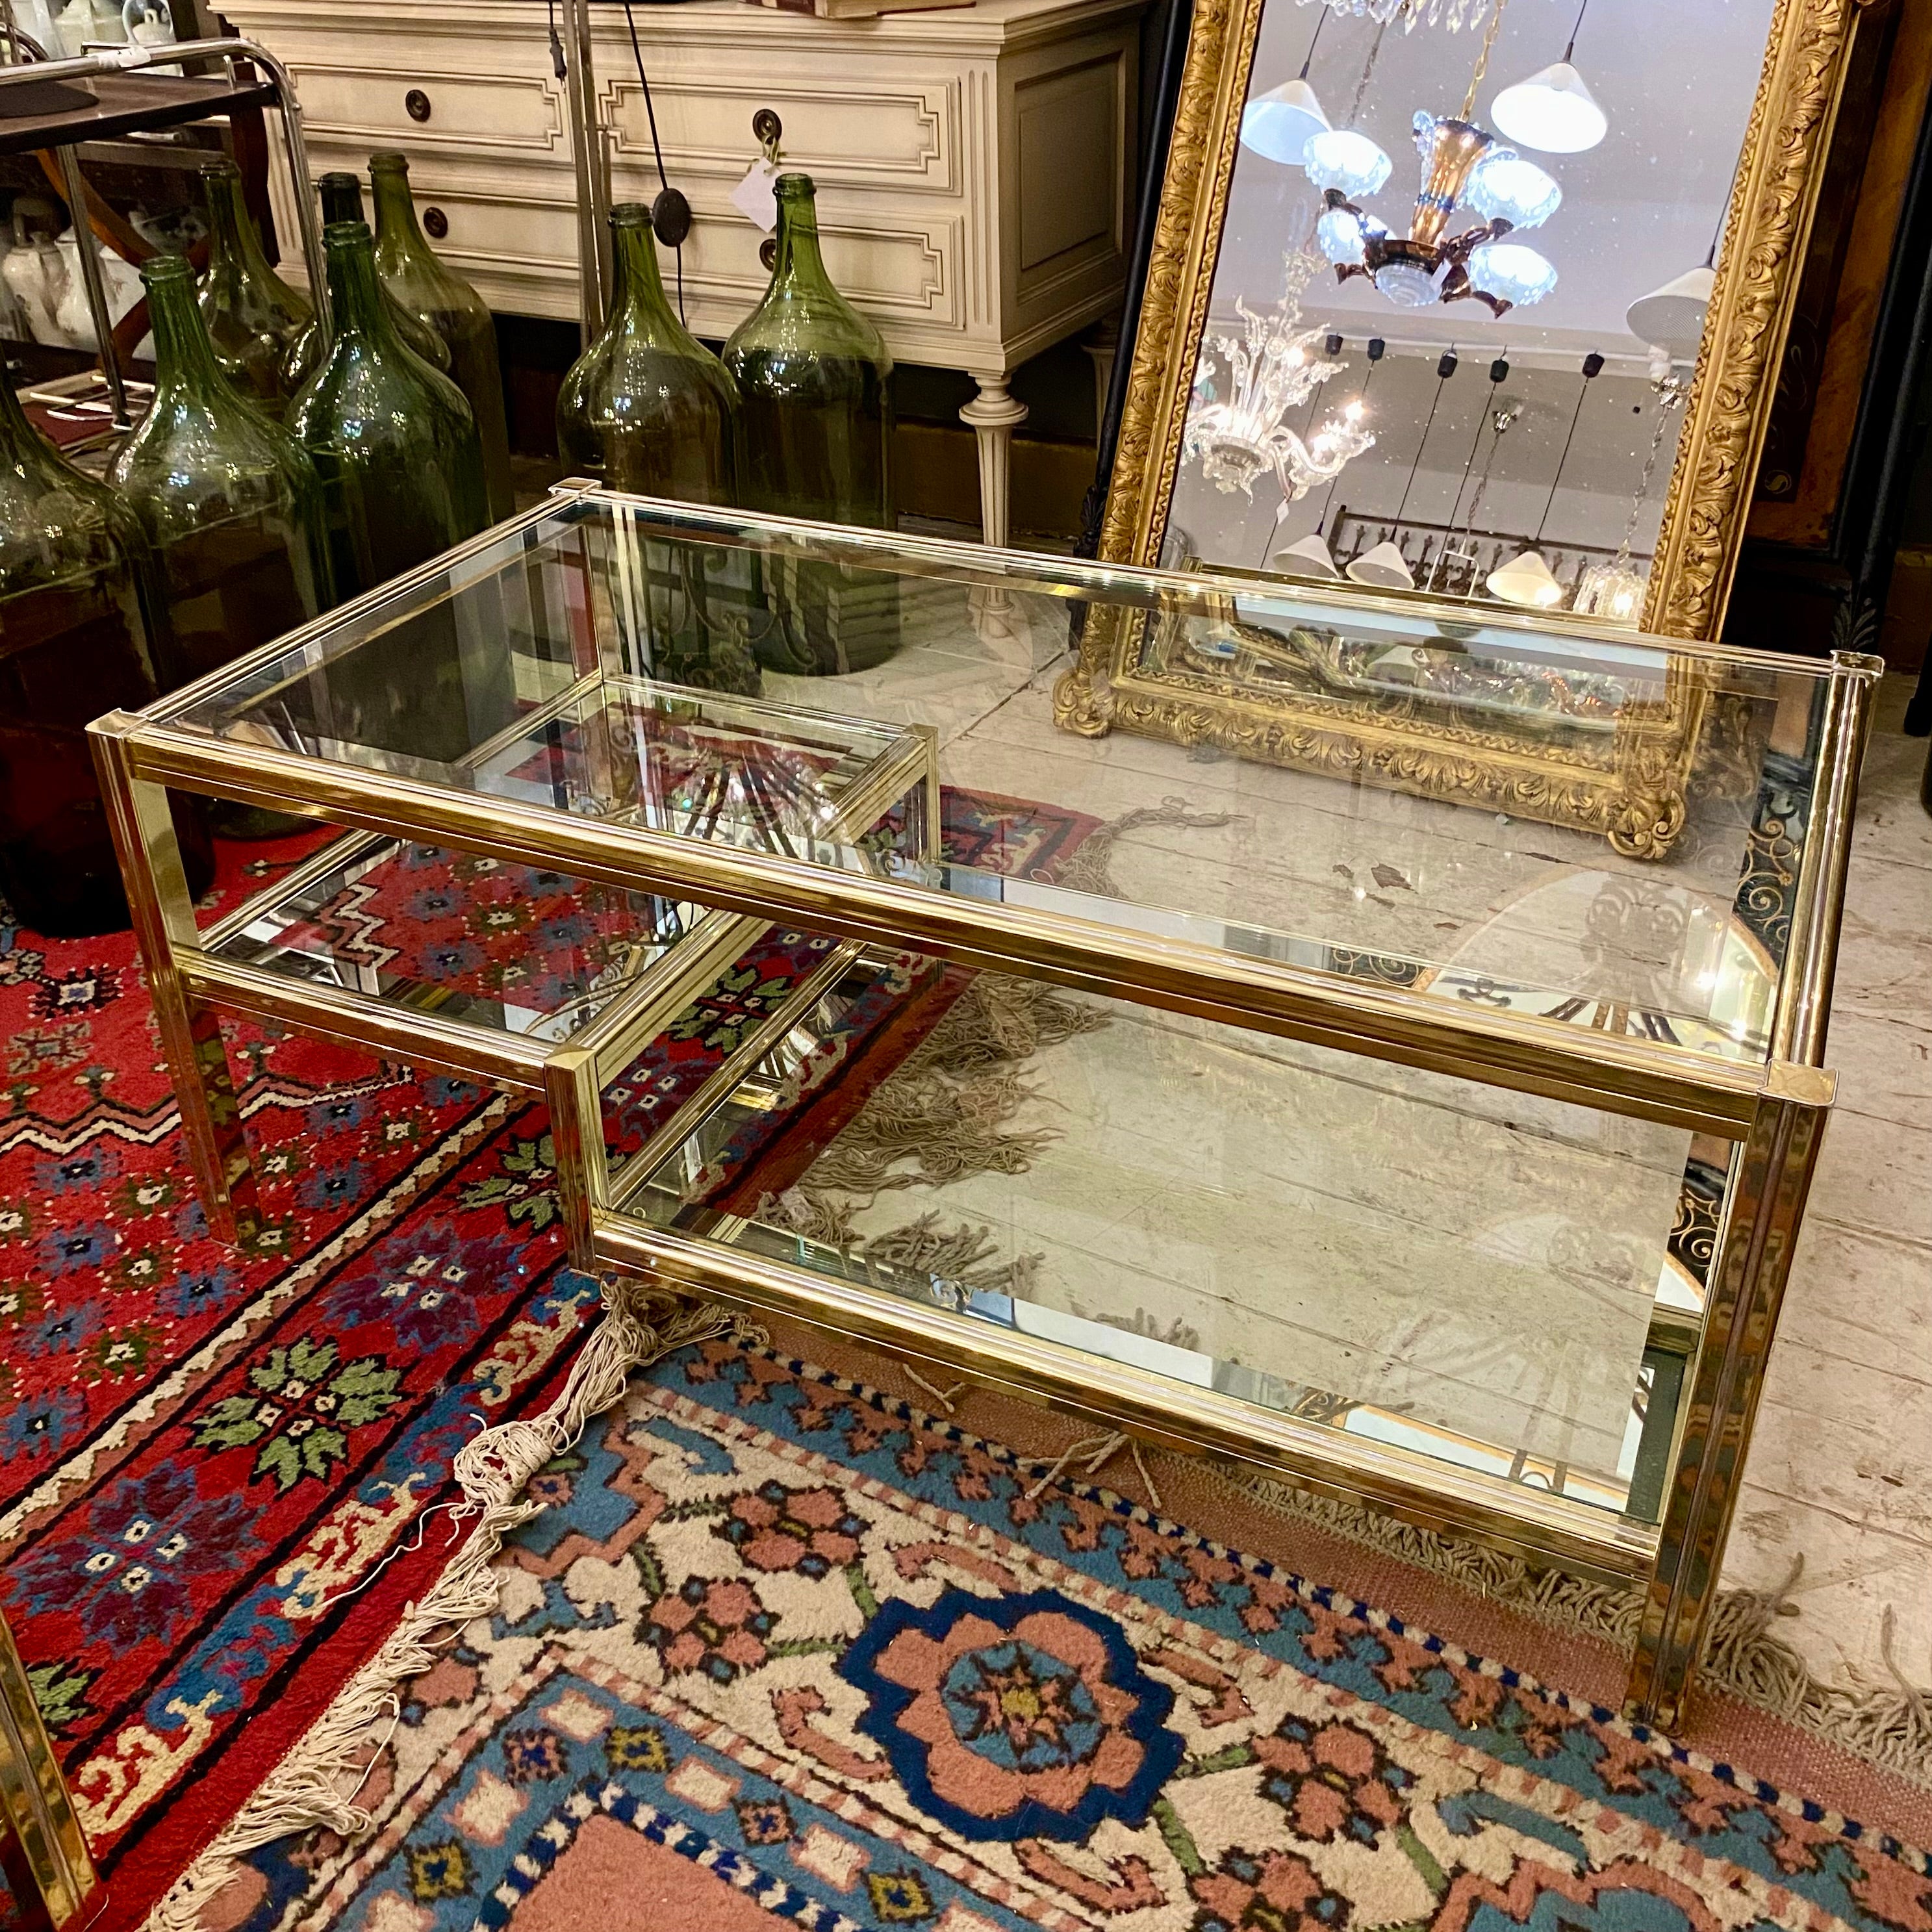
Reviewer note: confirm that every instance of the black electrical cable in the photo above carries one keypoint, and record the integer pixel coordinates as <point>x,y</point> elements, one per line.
<point>1575,417</point>
<point>682,214</point>
<point>1444,368</point>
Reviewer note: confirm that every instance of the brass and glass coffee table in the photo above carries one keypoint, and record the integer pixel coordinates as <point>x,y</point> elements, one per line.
<point>1442,1160</point>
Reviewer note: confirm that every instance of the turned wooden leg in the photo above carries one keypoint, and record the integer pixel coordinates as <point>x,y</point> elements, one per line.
<point>993,415</point>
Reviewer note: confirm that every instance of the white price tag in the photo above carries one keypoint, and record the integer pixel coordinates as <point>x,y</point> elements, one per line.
<point>754,200</point>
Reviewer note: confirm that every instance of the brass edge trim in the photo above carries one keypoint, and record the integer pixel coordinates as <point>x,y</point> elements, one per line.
<point>351,1019</point>
<point>723,1082</point>
<point>339,851</point>
<point>1526,1522</point>
<point>1525,1052</point>
<point>49,1848</point>
<point>1799,1032</point>
<point>660,991</point>
<point>894,775</point>
<point>520,726</point>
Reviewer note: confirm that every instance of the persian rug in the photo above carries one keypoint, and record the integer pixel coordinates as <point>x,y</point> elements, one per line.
<point>216,1465</point>
<point>782,1648</point>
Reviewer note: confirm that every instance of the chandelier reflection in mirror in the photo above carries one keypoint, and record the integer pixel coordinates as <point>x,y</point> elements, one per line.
<point>1464,167</point>
<point>1272,368</point>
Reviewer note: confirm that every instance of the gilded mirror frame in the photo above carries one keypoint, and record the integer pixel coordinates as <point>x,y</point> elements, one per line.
<point>1726,415</point>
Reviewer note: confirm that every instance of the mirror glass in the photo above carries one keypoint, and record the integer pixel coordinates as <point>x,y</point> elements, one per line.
<point>1459,293</point>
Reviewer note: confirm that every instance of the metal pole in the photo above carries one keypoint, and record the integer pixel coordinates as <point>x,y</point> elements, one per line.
<point>94,279</point>
<point>587,153</point>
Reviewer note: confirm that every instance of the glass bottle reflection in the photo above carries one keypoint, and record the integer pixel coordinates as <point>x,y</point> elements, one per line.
<point>253,315</point>
<point>442,300</point>
<point>74,642</point>
<point>393,441</point>
<point>230,506</point>
<point>815,424</point>
<point>341,196</point>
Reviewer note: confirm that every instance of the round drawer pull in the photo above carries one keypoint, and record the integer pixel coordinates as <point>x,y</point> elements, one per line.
<point>417,103</point>
<point>767,129</point>
<point>435,224</point>
<point>768,252</point>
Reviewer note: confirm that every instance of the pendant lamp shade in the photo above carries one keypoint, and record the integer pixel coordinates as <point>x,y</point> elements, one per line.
<point>1385,568</point>
<point>1306,556</point>
<point>1671,318</point>
<point>1526,579</point>
<point>1554,111</point>
<point>1280,123</point>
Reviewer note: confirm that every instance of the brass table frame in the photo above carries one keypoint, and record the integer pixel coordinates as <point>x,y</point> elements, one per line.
<point>1771,1115</point>
<point>42,1854</point>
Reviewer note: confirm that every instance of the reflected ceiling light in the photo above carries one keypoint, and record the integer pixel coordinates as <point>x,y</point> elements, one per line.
<point>1279,124</point>
<point>1671,318</point>
<point>1526,579</point>
<point>1272,368</point>
<point>1463,166</point>
<point>1385,568</point>
<point>1553,111</point>
<point>1306,556</point>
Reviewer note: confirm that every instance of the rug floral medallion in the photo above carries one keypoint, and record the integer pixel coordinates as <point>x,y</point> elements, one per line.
<point>782,1650</point>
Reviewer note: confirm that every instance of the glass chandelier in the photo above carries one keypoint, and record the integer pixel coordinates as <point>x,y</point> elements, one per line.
<point>1464,167</point>
<point>1272,368</point>
<point>1453,14</point>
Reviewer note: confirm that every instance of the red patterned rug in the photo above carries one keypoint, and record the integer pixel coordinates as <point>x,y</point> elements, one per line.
<point>784,1649</point>
<point>213,1463</point>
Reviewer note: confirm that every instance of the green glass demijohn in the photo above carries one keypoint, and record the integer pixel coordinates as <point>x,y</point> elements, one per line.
<point>393,441</point>
<point>230,506</point>
<point>815,380</point>
<point>253,315</point>
<point>76,602</point>
<point>411,272</point>
<point>646,407</point>
<point>341,196</point>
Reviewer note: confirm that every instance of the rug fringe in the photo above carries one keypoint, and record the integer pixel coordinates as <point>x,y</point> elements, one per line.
<point>1889,1725</point>
<point>308,1787</point>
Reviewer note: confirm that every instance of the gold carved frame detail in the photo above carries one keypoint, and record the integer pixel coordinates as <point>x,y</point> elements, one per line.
<point>1638,800</point>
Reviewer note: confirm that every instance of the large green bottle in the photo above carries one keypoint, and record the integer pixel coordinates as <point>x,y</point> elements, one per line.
<point>815,378</point>
<point>231,507</point>
<point>394,441</point>
<point>646,407</point>
<point>253,315</point>
<point>815,430</point>
<point>74,642</point>
<point>444,302</point>
<point>341,195</point>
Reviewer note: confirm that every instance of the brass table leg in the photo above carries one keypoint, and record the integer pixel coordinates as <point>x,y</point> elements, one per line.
<point>42,1852</point>
<point>163,918</point>
<point>1770,1175</point>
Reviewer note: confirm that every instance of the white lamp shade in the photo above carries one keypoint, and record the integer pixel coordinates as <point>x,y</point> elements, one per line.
<point>1511,271</point>
<point>1526,579</point>
<point>1553,110</point>
<point>1341,158</point>
<point>1385,568</point>
<point>1306,556</point>
<point>1672,317</point>
<point>1280,123</point>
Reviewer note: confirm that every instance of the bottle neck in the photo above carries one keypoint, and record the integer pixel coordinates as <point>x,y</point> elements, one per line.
<point>232,242</point>
<point>354,295</point>
<point>798,264</point>
<point>396,228</point>
<point>22,447</point>
<point>637,303</point>
<point>341,197</point>
<point>184,365</point>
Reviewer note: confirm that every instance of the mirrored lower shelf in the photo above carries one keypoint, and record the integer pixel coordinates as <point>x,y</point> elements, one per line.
<point>1506,1286</point>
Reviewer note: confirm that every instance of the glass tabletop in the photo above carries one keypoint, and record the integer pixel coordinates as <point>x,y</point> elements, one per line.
<point>1415,797</point>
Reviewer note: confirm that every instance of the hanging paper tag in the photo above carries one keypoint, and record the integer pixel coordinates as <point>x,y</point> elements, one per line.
<point>754,200</point>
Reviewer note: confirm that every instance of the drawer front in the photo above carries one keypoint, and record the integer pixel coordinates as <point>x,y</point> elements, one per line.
<point>869,129</point>
<point>504,112</point>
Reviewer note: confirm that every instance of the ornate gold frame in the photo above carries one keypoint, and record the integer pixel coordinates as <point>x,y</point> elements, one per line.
<point>1725,422</point>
